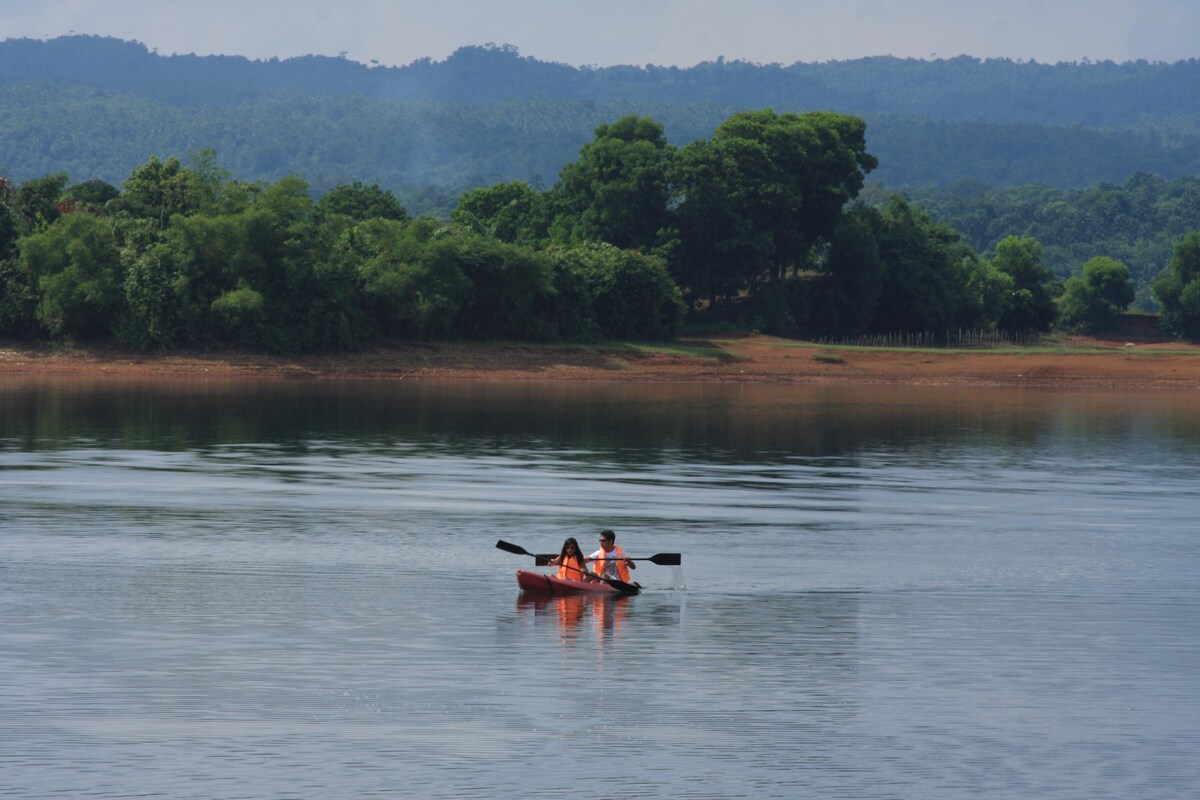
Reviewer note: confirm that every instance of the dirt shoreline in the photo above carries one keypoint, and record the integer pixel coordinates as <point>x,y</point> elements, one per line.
<point>747,359</point>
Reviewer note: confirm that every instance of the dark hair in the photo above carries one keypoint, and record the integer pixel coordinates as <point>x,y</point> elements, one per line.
<point>607,534</point>
<point>578,557</point>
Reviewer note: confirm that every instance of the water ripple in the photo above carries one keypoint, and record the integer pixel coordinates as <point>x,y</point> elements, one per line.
<point>881,603</point>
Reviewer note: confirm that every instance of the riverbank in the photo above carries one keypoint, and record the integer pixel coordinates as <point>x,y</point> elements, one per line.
<point>1075,361</point>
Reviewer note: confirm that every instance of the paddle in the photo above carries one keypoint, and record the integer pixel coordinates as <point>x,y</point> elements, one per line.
<point>662,559</point>
<point>628,588</point>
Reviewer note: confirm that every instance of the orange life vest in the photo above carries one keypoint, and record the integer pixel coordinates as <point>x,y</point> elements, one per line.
<point>618,555</point>
<point>572,568</point>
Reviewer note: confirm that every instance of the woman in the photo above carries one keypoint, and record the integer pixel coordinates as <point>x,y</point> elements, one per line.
<point>570,562</point>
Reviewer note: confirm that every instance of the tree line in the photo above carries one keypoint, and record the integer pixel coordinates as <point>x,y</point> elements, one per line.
<point>189,256</point>
<point>763,225</point>
<point>757,225</point>
<point>1096,94</point>
<point>1137,221</point>
<point>429,131</point>
<point>429,152</point>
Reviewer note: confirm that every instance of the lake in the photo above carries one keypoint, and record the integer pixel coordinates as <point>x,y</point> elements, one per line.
<point>290,589</point>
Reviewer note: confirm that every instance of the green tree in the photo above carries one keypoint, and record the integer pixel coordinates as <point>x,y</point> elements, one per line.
<point>895,268</point>
<point>412,278</point>
<point>617,191</point>
<point>1137,222</point>
<point>512,212</point>
<point>632,294</point>
<point>927,272</point>
<point>285,203</point>
<point>176,278</point>
<point>988,292</point>
<point>721,248</point>
<point>814,165</point>
<point>157,190</point>
<point>1178,288</point>
<point>509,288</point>
<point>76,268</point>
<point>756,199</point>
<point>212,188</point>
<point>155,288</point>
<point>239,312</point>
<point>1031,304</point>
<point>361,202</point>
<point>849,292</point>
<point>36,202</point>
<point>8,231</point>
<point>18,298</point>
<point>307,299</point>
<point>93,194</point>
<point>171,287</point>
<point>1093,301</point>
<point>568,308</point>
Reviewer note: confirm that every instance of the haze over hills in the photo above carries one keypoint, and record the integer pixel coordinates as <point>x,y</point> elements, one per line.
<point>1005,162</point>
<point>962,88</point>
<point>97,107</point>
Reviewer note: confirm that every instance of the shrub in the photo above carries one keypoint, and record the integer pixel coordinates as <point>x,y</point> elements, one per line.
<point>632,295</point>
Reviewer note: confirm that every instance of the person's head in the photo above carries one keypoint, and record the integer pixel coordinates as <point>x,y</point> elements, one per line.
<point>608,540</point>
<point>571,548</point>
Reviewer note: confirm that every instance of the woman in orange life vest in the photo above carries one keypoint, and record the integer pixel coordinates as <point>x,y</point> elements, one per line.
<point>570,562</point>
<point>610,561</point>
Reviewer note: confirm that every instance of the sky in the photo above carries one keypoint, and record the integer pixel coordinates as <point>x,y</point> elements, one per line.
<point>607,32</point>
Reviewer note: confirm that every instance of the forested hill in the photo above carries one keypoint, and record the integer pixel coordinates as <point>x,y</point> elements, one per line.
<point>97,107</point>
<point>962,88</point>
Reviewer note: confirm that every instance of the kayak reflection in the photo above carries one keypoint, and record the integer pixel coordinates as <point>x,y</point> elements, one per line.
<point>574,613</point>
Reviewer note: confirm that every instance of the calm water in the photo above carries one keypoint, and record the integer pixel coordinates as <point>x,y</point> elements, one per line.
<point>291,590</point>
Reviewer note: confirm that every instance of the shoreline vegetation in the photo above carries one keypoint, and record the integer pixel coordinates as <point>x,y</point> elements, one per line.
<point>1064,362</point>
<point>756,229</point>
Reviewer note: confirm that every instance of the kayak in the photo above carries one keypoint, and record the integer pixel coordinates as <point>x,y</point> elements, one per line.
<point>537,582</point>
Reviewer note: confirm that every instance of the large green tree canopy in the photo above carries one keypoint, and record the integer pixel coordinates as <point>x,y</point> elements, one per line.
<point>1178,289</point>
<point>757,225</point>
<point>1093,300</point>
<point>617,191</point>
<point>1031,304</point>
<point>764,191</point>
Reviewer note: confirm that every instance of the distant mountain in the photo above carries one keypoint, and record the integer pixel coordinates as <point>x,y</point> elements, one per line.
<point>963,88</point>
<point>97,107</point>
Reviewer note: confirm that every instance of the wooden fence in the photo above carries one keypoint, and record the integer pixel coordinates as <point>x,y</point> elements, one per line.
<point>954,339</point>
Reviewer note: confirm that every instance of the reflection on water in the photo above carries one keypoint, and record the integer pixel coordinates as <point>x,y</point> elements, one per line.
<point>740,423</point>
<point>603,614</point>
<point>289,589</point>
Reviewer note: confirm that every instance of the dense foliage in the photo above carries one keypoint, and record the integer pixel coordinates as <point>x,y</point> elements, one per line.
<point>189,256</point>
<point>1178,289</point>
<point>1093,300</point>
<point>1136,222</point>
<point>962,88</point>
<point>756,226</point>
<point>429,131</point>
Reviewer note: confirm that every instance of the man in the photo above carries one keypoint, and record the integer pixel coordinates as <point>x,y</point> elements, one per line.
<point>610,561</point>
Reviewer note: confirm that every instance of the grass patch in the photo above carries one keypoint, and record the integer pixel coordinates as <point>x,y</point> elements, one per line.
<point>705,350</point>
<point>828,358</point>
<point>1050,345</point>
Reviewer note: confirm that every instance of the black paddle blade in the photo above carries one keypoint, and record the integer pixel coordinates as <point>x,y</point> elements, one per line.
<point>622,586</point>
<point>513,548</point>
<point>666,559</point>
<point>543,559</point>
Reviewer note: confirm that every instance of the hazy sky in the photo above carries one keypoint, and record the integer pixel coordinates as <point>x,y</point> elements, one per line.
<point>604,32</point>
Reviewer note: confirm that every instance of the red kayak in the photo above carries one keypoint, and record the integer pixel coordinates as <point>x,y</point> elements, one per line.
<point>537,582</point>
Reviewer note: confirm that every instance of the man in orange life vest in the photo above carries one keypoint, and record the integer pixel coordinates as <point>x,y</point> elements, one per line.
<point>610,561</point>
